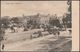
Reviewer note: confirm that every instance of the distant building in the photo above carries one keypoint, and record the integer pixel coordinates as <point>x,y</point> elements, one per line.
<point>44,19</point>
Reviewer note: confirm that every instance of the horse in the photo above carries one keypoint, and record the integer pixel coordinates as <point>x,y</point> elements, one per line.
<point>14,29</point>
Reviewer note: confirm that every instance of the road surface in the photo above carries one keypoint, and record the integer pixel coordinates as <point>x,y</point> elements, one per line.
<point>18,42</point>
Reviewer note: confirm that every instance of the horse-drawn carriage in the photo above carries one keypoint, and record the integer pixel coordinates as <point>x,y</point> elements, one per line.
<point>50,30</point>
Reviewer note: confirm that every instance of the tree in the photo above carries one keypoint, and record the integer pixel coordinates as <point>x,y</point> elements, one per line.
<point>15,20</point>
<point>67,22</point>
<point>67,19</point>
<point>54,21</point>
<point>5,21</point>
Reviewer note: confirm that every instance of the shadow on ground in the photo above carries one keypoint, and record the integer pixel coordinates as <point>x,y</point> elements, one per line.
<point>51,46</point>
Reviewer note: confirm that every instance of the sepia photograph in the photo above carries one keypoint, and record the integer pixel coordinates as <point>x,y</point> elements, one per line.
<point>41,26</point>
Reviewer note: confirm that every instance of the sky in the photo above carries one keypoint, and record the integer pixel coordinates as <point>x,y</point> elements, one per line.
<point>18,8</point>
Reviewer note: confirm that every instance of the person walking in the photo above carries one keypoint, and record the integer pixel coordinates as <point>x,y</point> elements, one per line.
<point>2,47</point>
<point>3,38</point>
